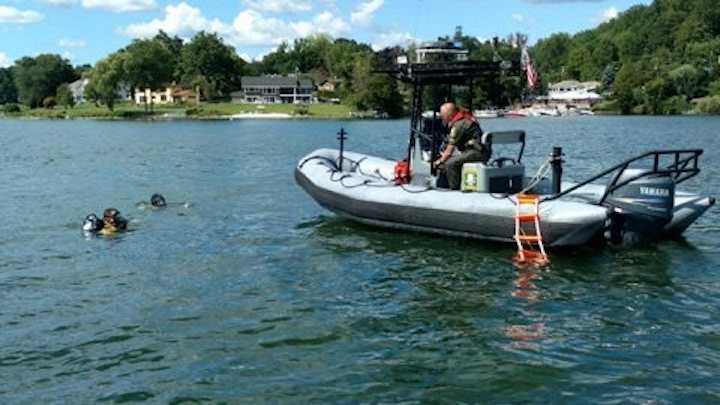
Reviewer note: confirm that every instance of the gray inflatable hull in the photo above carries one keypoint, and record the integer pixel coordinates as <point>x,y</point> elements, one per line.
<point>364,193</point>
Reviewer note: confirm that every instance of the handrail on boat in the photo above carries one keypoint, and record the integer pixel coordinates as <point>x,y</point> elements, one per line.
<point>679,170</point>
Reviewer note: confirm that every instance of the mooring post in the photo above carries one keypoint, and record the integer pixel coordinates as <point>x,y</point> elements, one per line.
<point>556,161</point>
<point>341,137</point>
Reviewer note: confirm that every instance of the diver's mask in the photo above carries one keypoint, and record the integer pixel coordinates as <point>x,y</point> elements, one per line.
<point>92,224</point>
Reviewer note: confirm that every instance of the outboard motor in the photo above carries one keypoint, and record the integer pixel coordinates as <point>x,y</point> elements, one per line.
<point>641,208</point>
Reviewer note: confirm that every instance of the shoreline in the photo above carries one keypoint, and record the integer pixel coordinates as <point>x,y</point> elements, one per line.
<point>273,117</point>
<point>281,117</point>
<point>209,111</point>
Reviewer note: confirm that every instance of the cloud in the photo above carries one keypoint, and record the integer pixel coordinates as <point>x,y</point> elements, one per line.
<point>72,43</point>
<point>5,60</point>
<point>607,15</point>
<point>252,28</point>
<point>249,27</point>
<point>365,12</point>
<point>60,3</point>
<point>518,17</point>
<point>390,39</point>
<point>182,20</point>
<point>279,6</point>
<point>120,6</point>
<point>11,15</point>
<point>328,23</point>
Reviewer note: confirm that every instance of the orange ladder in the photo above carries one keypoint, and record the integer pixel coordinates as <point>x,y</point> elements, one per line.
<point>529,239</point>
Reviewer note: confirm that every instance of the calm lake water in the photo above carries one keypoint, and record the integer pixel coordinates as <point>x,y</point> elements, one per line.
<point>254,294</point>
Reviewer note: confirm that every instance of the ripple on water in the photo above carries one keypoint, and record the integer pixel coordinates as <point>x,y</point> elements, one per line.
<point>257,295</point>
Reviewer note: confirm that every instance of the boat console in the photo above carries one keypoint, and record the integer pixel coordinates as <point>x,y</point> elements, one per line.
<point>502,175</point>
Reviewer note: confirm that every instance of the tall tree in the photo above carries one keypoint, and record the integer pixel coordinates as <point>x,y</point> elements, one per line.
<point>174,45</point>
<point>146,65</point>
<point>8,91</point>
<point>106,78</point>
<point>374,91</point>
<point>210,64</point>
<point>38,78</point>
<point>64,97</point>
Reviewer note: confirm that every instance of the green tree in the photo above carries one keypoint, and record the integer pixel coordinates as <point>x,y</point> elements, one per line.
<point>629,80</point>
<point>656,91</point>
<point>64,97</point>
<point>83,70</point>
<point>38,78</point>
<point>374,91</point>
<point>146,65</point>
<point>210,64</point>
<point>174,45</point>
<point>8,91</point>
<point>686,79</point>
<point>714,88</point>
<point>551,56</point>
<point>106,78</point>
<point>608,76</point>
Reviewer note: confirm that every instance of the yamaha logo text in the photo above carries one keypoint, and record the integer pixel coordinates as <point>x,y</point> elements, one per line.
<point>655,192</point>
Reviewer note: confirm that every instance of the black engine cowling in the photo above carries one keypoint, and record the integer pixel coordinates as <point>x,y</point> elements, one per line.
<point>641,208</point>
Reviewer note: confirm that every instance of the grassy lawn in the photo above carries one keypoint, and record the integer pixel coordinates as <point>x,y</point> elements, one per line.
<point>204,110</point>
<point>312,111</point>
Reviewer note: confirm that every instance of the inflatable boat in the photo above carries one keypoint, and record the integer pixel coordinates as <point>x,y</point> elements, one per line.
<point>635,199</point>
<point>364,189</point>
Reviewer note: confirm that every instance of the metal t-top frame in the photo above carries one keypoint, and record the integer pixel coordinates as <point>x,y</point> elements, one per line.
<point>420,75</point>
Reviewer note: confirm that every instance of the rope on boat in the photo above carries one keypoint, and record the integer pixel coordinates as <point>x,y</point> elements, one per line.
<point>534,181</point>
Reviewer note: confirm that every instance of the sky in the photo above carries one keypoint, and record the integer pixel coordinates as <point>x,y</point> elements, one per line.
<point>85,31</point>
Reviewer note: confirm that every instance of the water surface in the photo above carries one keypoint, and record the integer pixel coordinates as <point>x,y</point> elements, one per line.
<point>253,293</point>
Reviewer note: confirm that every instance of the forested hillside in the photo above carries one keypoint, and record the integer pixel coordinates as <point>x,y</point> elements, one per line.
<point>652,59</point>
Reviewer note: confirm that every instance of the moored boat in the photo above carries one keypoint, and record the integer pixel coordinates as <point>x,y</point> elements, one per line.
<point>490,113</point>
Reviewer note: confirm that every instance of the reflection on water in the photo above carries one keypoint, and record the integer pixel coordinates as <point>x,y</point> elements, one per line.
<point>254,294</point>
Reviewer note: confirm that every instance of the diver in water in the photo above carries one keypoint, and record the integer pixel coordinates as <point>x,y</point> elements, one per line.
<point>158,201</point>
<point>92,224</point>
<point>113,222</point>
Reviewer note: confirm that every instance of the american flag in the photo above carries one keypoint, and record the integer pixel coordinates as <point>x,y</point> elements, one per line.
<point>527,65</point>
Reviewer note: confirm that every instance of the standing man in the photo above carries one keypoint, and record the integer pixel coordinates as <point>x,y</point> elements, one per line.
<point>465,136</point>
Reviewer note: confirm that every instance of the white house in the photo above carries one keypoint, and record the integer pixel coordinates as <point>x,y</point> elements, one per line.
<point>154,96</point>
<point>572,91</point>
<point>168,95</point>
<point>77,88</point>
<point>439,52</point>
<point>274,90</point>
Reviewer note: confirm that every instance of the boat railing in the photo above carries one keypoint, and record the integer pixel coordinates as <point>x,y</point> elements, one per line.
<point>684,166</point>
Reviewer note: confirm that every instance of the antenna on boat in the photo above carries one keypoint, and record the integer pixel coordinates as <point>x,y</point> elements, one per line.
<point>342,136</point>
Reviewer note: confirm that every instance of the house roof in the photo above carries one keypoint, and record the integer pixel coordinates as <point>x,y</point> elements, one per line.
<point>78,84</point>
<point>275,81</point>
<point>183,93</point>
